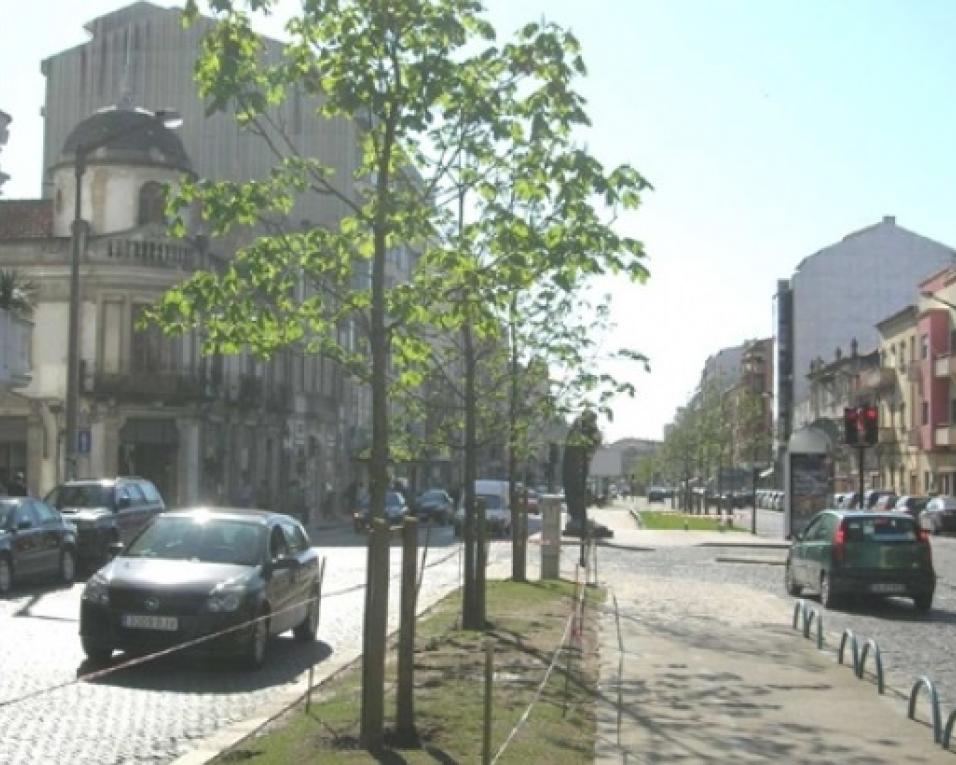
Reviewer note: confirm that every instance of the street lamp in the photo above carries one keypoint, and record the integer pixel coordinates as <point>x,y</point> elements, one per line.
<point>168,119</point>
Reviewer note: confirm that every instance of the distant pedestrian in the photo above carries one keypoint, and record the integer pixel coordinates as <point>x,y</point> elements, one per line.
<point>18,487</point>
<point>243,495</point>
<point>263,495</point>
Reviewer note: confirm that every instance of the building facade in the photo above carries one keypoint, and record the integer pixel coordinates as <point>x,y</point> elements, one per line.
<point>837,295</point>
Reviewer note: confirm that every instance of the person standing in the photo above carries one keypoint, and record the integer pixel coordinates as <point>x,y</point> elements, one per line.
<point>18,486</point>
<point>582,441</point>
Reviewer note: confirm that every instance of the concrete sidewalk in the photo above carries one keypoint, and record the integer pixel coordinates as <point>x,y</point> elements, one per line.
<point>719,676</point>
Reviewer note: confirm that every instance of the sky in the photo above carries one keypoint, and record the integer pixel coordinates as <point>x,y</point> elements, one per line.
<point>769,130</point>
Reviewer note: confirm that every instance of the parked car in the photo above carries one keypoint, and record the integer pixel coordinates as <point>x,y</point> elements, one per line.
<point>656,494</point>
<point>873,496</point>
<point>885,502</point>
<point>434,506</point>
<point>195,572</point>
<point>939,515</point>
<point>35,541</point>
<point>913,506</point>
<point>106,511</point>
<point>496,498</point>
<point>843,552</point>
<point>395,511</point>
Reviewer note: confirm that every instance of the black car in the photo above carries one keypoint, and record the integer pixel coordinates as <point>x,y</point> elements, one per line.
<point>395,511</point>
<point>435,506</point>
<point>35,540</point>
<point>106,511</point>
<point>196,572</point>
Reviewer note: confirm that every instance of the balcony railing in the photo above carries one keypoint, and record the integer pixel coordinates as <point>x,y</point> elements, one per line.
<point>149,386</point>
<point>945,435</point>
<point>888,436</point>
<point>878,379</point>
<point>944,366</point>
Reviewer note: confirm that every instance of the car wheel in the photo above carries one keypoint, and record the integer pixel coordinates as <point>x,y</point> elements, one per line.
<point>6,575</point>
<point>827,597</point>
<point>255,653</point>
<point>97,651</point>
<point>309,628</point>
<point>923,602</point>
<point>793,588</point>
<point>67,571</point>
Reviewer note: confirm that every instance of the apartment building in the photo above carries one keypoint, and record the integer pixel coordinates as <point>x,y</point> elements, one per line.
<point>918,368</point>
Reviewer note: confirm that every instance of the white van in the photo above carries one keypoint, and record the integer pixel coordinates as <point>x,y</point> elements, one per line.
<point>497,507</point>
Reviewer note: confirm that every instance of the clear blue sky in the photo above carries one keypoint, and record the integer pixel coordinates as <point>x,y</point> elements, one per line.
<point>769,130</point>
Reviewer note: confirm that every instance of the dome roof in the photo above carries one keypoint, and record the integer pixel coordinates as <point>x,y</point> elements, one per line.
<point>127,135</point>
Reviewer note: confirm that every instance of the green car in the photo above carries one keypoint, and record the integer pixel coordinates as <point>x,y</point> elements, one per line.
<point>845,552</point>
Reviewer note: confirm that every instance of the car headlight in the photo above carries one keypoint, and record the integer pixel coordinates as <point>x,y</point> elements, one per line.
<point>224,599</point>
<point>97,590</point>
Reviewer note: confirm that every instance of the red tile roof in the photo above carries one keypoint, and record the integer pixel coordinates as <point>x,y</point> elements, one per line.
<point>26,218</point>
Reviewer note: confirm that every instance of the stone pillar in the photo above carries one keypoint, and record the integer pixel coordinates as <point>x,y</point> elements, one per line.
<point>550,536</point>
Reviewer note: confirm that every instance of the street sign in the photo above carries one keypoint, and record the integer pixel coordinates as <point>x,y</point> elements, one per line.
<point>84,439</point>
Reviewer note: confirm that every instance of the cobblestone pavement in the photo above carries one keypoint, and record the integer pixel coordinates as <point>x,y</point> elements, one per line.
<point>157,711</point>
<point>911,644</point>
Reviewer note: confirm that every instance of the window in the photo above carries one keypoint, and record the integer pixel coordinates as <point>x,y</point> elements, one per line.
<point>902,414</point>
<point>294,538</point>
<point>925,413</point>
<point>45,513</point>
<point>152,203</point>
<point>913,348</point>
<point>278,547</point>
<point>150,492</point>
<point>924,346</point>
<point>150,351</point>
<point>25,514</point>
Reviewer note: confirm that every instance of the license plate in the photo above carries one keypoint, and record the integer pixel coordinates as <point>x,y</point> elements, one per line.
<point>145,622</point>
<point>888,588</point>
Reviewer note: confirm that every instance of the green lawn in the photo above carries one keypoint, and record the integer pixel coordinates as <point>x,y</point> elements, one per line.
<point>665,521</point>
<point>527,622</point>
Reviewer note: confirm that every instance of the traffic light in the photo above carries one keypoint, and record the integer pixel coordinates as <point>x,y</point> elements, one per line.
<point>851,426</point>
<point>871,424</point>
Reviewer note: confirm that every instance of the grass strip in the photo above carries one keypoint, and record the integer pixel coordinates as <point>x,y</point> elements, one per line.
<point>658,521</point>
<point>526,620</point>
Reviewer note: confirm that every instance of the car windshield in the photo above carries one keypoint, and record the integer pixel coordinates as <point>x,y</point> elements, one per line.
<point>492,501</point>
<point>917,503</point>
<point>205,540</point>
<point>83,495</point>
<point>881,529</point>
<point>394,499</point>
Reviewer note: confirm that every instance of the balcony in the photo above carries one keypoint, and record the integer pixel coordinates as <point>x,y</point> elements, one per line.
<point>944,367</point>
<point>879,378</point>
<point>250,390</point>
<point>945,435</point>
<point>914,372</point>
<point>148,386</point>
<point>914,438</point>
<point>888,436</point>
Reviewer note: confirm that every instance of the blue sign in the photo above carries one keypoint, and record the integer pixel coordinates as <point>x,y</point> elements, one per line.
<point>84,440</point>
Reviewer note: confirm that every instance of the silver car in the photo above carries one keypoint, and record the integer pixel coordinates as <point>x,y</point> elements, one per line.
<point>939,515</point>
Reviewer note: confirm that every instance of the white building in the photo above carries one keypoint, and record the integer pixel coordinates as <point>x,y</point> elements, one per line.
<point>835,298</point>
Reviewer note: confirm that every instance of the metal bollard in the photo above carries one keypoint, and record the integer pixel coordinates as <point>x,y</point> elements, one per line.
<point>925,682</point>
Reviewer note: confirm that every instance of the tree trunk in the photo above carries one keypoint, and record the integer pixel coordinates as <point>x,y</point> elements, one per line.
<point>470,618</point>
<point>518,510</point>
<point>376,603</point>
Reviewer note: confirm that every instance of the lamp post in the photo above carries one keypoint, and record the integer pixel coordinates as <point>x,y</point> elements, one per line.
<point>168,119</point>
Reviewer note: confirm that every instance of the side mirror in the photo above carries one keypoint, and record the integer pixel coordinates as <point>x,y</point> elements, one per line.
<point>114,549</point>
<point>285,563</point>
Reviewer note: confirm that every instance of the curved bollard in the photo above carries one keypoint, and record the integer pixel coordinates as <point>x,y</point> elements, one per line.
<point>925,682</point>
<point>854,646</point>
<point>799,608</point>
<point>809,616</point>
<point>877,657</point>
<point>948,732</point>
